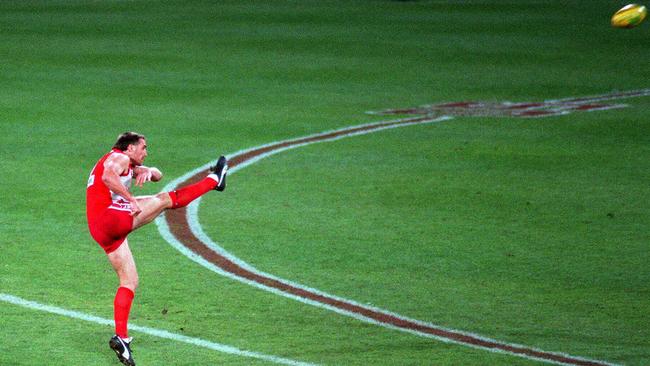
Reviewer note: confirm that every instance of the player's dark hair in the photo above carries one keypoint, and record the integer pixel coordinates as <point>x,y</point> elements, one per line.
<point>126,139</point>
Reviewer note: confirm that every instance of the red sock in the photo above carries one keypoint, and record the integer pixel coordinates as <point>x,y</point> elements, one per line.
<point>122,307</point>
<point>182,197</point>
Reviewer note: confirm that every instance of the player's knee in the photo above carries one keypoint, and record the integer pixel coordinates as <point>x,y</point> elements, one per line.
<point>165,199</point>
<point>131,283</point>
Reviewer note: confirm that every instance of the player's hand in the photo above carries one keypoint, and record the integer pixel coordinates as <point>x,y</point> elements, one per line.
<point>143,177</point>
<point>135,209</point>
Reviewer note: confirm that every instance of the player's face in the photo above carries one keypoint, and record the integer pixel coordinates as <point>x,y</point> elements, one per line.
<point>138,152</point>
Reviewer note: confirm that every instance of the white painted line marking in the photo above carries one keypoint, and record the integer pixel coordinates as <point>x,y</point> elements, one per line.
<point>150,331</point>
<point>195,227</point>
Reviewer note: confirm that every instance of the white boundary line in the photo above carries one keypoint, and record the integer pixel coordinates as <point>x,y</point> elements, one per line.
<point>195,226</point>
<point>150,331</point>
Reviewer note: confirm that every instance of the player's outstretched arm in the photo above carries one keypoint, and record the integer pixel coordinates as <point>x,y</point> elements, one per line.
<point>145,174</point>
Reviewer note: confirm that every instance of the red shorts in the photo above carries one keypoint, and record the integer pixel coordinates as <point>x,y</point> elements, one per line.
<point>110,228</point>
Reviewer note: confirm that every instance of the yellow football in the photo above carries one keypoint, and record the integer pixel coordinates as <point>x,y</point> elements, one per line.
<point>629,16</point>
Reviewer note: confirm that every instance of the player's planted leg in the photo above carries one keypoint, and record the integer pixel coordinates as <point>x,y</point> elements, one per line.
<point>124,265</point>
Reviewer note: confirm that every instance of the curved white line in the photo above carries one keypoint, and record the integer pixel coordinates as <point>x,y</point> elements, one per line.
<point>195,227</point>
<point>200,234</point>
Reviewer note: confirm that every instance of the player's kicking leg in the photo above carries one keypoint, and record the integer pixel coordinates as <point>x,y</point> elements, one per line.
<point>153,206</point>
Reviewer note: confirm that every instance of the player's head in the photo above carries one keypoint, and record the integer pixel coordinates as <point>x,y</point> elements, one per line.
<point>134,145</point>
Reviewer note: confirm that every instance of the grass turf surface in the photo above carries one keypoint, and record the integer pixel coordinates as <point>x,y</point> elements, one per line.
<point>529,231</point>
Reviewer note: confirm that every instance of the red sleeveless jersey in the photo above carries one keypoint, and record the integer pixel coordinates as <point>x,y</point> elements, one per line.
<point>99,197</point>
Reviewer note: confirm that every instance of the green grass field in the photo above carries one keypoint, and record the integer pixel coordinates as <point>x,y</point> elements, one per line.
<point>529,231</point>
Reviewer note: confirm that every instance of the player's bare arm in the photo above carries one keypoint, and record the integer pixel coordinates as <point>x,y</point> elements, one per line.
<point>114,166</point>
<point>143,174</point>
